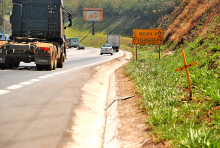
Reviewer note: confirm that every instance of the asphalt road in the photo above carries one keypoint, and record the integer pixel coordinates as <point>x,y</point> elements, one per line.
<point>37,107</point>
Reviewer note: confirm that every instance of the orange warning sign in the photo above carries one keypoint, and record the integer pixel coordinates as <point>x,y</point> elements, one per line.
<point>147,36</point>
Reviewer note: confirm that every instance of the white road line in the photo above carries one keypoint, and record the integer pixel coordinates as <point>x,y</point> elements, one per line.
<point>43,77</point>
<point>56,73</point>
<point>49,75</point>
<point>14,87</point>
<point>3,92</point>
<point>98,62</point>
<point>26,83</point>
<point>34,80</point>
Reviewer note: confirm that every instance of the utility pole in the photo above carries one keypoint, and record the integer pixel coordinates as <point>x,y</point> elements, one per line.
<point>3,19</point>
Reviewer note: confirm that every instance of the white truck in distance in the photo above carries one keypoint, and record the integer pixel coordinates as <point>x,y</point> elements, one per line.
<point>114,41</point>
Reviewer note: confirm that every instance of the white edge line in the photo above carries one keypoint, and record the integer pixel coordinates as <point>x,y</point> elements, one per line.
<point>14,87</point>
<point>4,92</point>
<point>98,62</point>
<point>26,83</point>
<point>51,75</point>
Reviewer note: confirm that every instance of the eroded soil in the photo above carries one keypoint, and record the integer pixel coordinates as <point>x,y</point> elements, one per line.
<point>133,132</point>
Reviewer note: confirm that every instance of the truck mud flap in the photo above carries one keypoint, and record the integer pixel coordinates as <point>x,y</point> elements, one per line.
<point>43,60</point>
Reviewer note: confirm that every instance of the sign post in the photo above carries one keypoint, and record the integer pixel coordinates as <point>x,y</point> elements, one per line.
<point>93,28</point>
<point>159,51</point>
<point>3,19</point>
<point>187,72</point>
<point>93,14</point>
<point>136,52</point>
<point>148,36</point>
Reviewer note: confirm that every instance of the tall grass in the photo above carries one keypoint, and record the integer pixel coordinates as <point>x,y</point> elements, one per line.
<point>165,98</point>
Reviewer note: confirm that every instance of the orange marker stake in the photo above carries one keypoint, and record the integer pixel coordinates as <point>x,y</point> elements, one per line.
<point>187,71</point>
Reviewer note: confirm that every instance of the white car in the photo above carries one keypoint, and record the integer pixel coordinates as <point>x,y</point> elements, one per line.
<point>106,49</point>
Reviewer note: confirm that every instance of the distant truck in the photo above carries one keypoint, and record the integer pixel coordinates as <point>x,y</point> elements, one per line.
<point>72,42</point>
<point>114,41</point>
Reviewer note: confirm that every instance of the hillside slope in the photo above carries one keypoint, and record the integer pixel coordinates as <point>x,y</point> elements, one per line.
<point>193,19</point>
<point>176,118</point>
<point>110,25</point>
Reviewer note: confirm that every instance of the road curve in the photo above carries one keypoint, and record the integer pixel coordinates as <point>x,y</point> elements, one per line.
<point>37,107</point>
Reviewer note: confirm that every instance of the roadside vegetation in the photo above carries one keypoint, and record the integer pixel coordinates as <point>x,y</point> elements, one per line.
<point>8,8</point>
<point>174,117</point>
<point>149,10</point>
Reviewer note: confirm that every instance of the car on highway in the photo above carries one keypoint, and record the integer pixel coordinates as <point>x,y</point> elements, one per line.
<point>81,46</point>
<point>106,49</point>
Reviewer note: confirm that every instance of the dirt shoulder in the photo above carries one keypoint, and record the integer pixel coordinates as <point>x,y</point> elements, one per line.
<point>133,132</point>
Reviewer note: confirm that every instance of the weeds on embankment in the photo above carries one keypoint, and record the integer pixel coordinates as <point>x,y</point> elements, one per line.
<point>174,117</point>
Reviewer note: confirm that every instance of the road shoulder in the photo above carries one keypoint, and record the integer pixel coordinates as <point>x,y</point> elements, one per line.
<point>132,130</point>
<point>125,123</point>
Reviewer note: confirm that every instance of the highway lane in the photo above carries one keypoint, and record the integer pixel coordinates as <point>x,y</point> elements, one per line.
<point>37,107</point>
<point>75,58</point>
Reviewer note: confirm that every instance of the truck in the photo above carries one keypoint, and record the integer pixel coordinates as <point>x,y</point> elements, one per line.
<point>37,34</point>
<point>114,41</point>
<point>72,42</point>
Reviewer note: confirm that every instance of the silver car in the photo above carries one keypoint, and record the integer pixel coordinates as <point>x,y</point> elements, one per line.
<point>106,49</point>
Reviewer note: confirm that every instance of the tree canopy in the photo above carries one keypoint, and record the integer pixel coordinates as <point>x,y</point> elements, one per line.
<point>8,8</point>
<point>144,9</point>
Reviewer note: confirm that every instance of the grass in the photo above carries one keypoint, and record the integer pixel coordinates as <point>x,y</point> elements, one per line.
<point>83,30</point>
<point>165,98</point>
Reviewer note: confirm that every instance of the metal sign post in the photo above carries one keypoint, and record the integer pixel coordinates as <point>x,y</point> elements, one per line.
<point>159,51</point>
<point>136,52</point>
<point>187,72</point>
<point>3,19</point>
<point>93,27</point>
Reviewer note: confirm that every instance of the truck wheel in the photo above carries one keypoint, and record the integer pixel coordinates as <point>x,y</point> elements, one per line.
<point>55,59</point>
<point>117,50</point>
<point>50,66</point>
<point>2,65</point>
<point>60,61</point>
<point>8,63</point>
<point>55,63</point>
<point>16,64</point>
<point>39,67</point>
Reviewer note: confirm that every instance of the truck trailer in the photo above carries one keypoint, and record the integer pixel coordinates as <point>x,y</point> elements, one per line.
<point>114,41</point>
<point>37,34</point>
<point>72,42</point>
